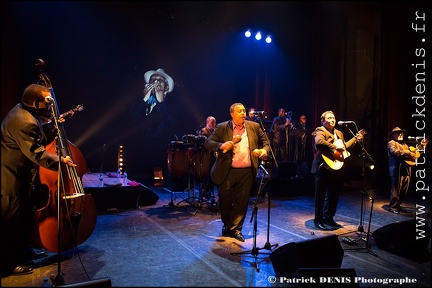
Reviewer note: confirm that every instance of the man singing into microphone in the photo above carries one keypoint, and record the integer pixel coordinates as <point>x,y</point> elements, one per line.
<point>328,182</point>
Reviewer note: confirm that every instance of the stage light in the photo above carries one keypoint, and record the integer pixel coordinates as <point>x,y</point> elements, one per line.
<point>120,161</point>
<point>268,39</point>
<point>258,35</point>
<point>372,167</point>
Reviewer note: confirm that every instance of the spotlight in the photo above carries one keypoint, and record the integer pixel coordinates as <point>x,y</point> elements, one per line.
<point>248,33</point>
<point>372,167</point>
<point>258,36</point>
<point>268,39</point>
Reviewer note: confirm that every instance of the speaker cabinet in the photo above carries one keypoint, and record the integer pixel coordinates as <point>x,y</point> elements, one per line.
<point>401,238</point>
<point>339,277</point>
<point>325,252</point>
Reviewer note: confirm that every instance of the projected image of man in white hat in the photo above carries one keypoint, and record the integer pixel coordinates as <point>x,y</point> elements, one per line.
<point>157,85</point>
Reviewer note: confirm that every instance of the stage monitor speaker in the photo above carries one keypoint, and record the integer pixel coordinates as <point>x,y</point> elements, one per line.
<point>335,277</point>
<point>325,252</point>
<point>147,196</point>
<point>103,282</point>
<point>401,238</point>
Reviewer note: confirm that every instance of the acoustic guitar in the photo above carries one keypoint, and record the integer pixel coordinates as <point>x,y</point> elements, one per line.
<point>335,160</point>
<point>417,151</point>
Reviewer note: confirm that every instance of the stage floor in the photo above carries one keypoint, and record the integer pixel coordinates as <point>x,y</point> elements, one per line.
<point>164,245</point>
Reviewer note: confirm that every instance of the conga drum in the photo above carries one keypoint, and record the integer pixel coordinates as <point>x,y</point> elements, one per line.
<point>200,140</point>
<point>201,164</point>
<point>189,140</point>
<point>178,160</point>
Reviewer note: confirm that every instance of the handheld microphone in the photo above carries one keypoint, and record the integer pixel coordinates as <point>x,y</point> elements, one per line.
<point>345,122</point>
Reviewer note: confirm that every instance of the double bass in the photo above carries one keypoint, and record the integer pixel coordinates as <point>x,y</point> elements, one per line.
<point>67,216</point>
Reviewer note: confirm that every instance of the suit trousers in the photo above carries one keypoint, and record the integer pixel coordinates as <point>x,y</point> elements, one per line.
<point>327,188</point>
<point>234,195</point>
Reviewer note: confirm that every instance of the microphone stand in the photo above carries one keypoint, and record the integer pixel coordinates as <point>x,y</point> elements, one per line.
<point>59,279</point>
<point>268,246</point>
<point>363,192</point>
<point>255,250</point>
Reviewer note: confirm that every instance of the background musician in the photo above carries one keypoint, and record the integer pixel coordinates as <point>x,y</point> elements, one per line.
<point>399,171</point>
<point>208,185</point>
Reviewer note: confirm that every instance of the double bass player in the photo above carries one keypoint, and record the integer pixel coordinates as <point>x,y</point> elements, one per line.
<point>24,135</point>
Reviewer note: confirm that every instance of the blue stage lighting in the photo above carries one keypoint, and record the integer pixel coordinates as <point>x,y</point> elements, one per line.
<point>268,39</point>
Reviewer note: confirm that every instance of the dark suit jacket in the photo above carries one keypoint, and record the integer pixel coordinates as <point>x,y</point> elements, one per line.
<point>224,132</point>
<point>23,143</point>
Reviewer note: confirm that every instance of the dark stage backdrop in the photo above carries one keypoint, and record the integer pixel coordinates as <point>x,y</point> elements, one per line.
<point>350,57</point>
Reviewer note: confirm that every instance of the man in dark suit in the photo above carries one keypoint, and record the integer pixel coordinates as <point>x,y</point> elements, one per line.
<point>23,139</point>
<point>239,145</point>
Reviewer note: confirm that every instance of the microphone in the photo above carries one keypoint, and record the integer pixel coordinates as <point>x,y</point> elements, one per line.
<point>345,122</point>
<point>412,138</point>
<point>49,99</point>
<point>258,112</point>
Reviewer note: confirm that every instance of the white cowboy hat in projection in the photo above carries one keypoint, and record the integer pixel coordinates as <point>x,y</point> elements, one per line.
<point>161,72</point>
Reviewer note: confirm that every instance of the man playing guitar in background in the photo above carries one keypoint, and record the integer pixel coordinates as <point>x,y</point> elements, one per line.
<point>400,156</point>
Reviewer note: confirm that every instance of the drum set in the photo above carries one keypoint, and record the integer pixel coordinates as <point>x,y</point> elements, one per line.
<point>189,161</point>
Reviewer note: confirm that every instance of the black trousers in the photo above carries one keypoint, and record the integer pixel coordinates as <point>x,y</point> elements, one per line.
<point>234,195</point>
<point>328,185</point>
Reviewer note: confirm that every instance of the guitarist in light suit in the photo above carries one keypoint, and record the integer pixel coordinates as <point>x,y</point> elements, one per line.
<point>399,171</point>
<point>328,141</point>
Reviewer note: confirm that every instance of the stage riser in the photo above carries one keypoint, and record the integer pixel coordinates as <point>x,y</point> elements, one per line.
<point>121,198</point>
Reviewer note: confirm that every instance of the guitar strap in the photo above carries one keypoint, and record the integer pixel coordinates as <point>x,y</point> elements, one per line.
<point>335,136</point>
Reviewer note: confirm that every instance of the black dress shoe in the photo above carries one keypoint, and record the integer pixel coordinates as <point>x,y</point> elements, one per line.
<point>36,254</point>
<point>238,236</point>
<point>320,225</point>
<point>332,223</point>
<point>224,230</point>
<point>33,254</point>
<point>404,210</point>
<point>22,270</point>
